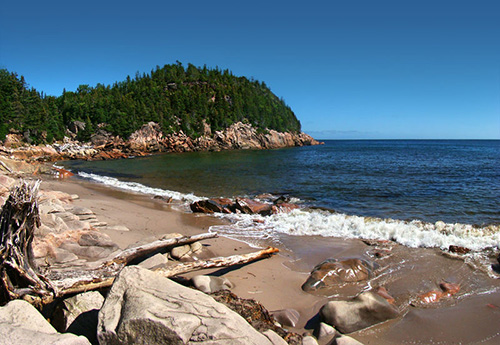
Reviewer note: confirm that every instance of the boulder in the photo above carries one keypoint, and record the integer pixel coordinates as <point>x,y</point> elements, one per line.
<point>458,249</point>
<point>255,314</point>
<point>365,310</point>
<point>79,315</point>
<point>209,284</point>
<point>53,222</point>
<point>96,238</point>
<point>309,340</point>
<point>286,317</point>
<point>92,253</point>
<point>274,337</point>
<point>283,208</point>
<point>51,207</point>
<point>433,296</point>
<point>19,313</point>
<point>207,206</point>
<point>196,247</point>
<point>180,251</point>
<point>250,206</point>
<point>346,340</point>
<point>21,323</point>
<point>449,289</point>
<point>382,291</point>
<point>155,261</point>
<point>326,331</point>
<point>332,272</point>
<point>62,256</point>
<point>144,308</point>
<point>6,183</point>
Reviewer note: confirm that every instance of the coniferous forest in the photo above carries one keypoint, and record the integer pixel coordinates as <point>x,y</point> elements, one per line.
<point>176,97</point>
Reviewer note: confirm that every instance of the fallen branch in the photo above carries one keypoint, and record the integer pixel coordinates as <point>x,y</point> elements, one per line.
<point>217,262</point>
<point>131,254</point>
<point>93,282</point>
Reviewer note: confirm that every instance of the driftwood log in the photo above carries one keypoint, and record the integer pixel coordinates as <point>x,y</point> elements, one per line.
<point>20,278</point>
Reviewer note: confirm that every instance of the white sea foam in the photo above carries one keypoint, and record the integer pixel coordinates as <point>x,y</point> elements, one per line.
<point>138,188</point>
<point>256,229</point>
<point>304,222</point>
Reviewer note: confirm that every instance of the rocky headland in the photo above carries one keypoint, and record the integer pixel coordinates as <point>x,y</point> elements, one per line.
<point>150,139</point>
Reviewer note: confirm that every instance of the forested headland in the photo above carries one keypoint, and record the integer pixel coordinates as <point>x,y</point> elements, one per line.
<point>176,97</point>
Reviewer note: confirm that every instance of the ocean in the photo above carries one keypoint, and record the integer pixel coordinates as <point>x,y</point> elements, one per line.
<point>420,193</point>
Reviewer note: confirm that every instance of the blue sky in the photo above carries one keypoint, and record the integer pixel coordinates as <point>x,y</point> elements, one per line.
<point>349,69</point>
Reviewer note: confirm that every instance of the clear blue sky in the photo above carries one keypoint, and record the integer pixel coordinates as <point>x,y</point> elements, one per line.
<point>348,69</point>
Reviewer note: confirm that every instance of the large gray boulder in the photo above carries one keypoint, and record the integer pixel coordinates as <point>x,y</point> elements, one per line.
<point>79,314</point>
<point>21,323</point>
<point>145,308</point>
<point>363,311</point>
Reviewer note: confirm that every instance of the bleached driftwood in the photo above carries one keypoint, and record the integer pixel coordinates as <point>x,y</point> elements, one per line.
<point>18,272</point>
<point>216,262</point>
<point>101,279</point>
<point>19,277</point>
<point>128,255</point>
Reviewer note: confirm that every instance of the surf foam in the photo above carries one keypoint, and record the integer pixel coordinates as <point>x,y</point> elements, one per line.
<point>138,188</point>
<point>254,229</point>
<point>304,222</point>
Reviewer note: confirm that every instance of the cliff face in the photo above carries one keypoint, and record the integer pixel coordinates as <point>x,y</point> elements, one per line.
<point>238,136</point>
<point>150,139</point>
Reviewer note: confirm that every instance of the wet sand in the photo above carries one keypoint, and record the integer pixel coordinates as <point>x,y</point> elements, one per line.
<point>470,317</point>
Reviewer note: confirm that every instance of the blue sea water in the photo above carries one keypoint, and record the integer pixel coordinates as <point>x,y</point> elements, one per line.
<point>402,183</point>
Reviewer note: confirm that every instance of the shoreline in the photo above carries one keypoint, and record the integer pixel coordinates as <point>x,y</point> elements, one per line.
<point>147,218</point>
<point>276,282</point>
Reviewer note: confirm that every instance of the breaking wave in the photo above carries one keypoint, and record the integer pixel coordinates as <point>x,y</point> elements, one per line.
<point>255,229</point>
<point>138,188</point>
<point>306,222</point>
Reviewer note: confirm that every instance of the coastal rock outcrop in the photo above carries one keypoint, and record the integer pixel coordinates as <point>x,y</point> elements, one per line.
<point>150,139</point>
<point>242,205</point>
<point>145,308</point>
<point>363,311</point>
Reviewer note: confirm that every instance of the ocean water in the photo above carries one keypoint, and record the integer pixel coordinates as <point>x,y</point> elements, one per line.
<point>431,193</point>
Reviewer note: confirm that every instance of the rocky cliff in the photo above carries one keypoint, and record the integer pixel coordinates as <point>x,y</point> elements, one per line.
<point>150,139</point>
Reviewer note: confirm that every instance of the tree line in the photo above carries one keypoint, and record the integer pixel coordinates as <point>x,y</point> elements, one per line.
<point>176,97</point>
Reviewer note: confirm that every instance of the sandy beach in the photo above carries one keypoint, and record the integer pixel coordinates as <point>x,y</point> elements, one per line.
<point>471,317</point>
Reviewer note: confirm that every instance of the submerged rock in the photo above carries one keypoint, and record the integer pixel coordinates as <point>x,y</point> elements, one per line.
<point>286,317</point>
<point>433,296</point>
<point>365,310</point>
<point>332,272</point>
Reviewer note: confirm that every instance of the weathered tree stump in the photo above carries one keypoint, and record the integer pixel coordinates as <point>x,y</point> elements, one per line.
<point>19,277</point>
